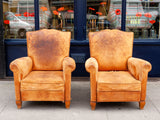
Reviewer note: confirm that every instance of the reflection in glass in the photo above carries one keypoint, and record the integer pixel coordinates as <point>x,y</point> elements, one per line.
<point>18,18</point>
<point>61,15</point>
<point>103,14</point>
<point>142,15</point>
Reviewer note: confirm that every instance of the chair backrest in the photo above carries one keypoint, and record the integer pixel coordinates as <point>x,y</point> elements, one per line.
<point>48,48</point>
<point>111,48</point>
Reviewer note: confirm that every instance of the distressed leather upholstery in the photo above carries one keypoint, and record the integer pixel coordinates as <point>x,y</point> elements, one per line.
<point>116,46</point>
<point>57,47</point>
<point>43,80</point>
<point>45,75</point>
<point>117,81</point>
<point>115,76</point>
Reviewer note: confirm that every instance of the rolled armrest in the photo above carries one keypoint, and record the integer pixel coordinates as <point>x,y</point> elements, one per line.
<point>22,66</point>
<point>91,65</point>
<point>138,67</point>
<point>69,64</point>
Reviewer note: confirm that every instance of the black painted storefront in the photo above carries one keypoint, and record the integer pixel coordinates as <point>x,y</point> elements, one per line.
<point>148,49</point>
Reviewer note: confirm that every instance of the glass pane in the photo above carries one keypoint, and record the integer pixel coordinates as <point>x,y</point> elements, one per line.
<point>18,18</point>
<point>142,17</point>
<point>103,14</point>
<point>57,14</point>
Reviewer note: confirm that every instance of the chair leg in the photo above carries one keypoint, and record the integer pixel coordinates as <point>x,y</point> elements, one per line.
<point>67,104</point>
<point>93,105</point>
<point>142,104</point>
<point>19,104</point>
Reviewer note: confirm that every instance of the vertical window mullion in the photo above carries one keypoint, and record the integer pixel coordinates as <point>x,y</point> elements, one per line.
<point>36,11</point>
<point>2,56</point>
<point>1,19</point>
<point>80,19</point>
<point>123,16</point>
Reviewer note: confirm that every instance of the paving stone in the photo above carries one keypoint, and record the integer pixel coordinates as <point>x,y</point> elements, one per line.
<point>80,106</point>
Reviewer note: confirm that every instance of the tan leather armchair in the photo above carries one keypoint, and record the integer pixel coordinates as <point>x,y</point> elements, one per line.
<point>115,76</point>
<point>45,75</point>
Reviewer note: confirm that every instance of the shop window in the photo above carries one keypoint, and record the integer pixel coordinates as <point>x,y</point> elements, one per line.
<point>142,18</point>
<point>103,14</point>
<point>57,14</point>
<point>18,18</point>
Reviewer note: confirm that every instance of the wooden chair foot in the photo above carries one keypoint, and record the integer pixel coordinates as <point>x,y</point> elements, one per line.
<point>67,104</point>
<point>93,105</point>
<point>142,104</point>
<point>19,104</point>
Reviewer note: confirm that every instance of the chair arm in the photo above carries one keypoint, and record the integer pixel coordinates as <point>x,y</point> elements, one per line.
<point>91,65</point>
<point>138,67</point>
<point>22,66</point>
<point>69,64</point>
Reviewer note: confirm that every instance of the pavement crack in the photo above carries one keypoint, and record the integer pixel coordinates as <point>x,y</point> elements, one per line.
<point>154,105</point>
<point>3,108</point>
<point>107,116</point>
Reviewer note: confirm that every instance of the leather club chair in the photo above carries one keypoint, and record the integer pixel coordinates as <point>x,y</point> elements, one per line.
<point>115,76</point>
<point>45,75</point>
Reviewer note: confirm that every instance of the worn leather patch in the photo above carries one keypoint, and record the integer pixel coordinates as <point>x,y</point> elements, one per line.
<point>48,48</point>
<point>111,48</point>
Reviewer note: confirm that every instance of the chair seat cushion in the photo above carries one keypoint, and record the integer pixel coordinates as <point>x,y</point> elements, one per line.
<point>117,81</point>
<point>43,80</point>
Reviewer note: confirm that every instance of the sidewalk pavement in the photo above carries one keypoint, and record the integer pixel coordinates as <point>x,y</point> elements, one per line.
<point>80,107</point>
